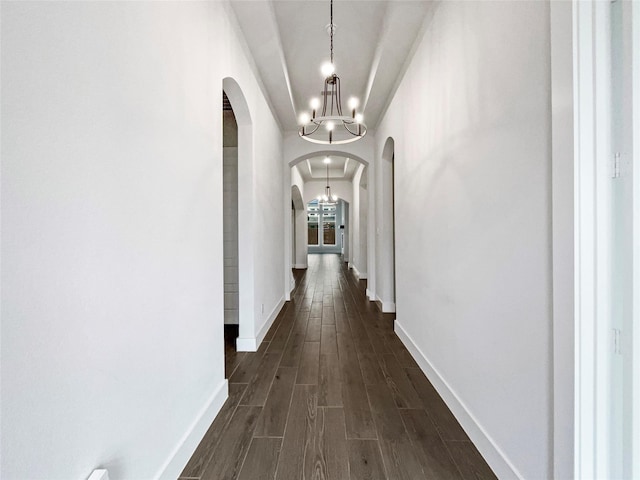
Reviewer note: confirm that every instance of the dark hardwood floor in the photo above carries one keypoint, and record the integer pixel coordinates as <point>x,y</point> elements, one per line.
<point>332,393</point>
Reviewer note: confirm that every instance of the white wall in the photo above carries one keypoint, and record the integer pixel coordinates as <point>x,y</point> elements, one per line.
<point>112,271</point>
<point>471,124</point>
<point>562,175</point>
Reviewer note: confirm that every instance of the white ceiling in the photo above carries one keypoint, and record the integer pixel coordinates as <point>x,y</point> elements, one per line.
<point>340,168</point>
<point>289,42</point>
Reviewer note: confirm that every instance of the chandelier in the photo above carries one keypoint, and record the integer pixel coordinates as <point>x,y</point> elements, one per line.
<point>331,127</point>
<point>327,198</point>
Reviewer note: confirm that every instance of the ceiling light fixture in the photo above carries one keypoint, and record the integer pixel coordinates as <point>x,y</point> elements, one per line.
<point>327,198</point>
<point>337,128</point>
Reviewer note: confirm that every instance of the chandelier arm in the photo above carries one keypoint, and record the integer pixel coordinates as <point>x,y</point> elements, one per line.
<point>325,93</point>
<point>304,133</point>
<point>338,96</point>
<point>346,127</point>
<point>334,97</point>
<point>352,139</point>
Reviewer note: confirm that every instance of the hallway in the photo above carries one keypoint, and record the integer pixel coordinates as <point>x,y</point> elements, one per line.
<point>332,394</point>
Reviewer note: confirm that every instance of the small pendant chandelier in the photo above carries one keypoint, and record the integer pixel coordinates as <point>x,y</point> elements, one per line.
<point>327,198</point>
<point>331,127</point>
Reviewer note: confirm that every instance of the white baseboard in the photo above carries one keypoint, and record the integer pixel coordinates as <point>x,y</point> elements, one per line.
<point>246,344</point>
<point>386,307</point>
<point>359,274</point>
<point>491,452</point>
<point>252,344</point>
<point>370,295</point>
<point>300,266</point>
<point>173,466</point>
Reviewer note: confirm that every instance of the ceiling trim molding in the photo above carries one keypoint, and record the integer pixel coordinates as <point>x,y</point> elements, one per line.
<point>235,25</point>
<point>407,61</point>
<point>375,64</point>
<point>283,59</point>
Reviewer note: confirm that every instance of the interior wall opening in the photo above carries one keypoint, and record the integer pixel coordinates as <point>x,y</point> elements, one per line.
<point>298,229</point>
<point>230,224</point>
<point>387,295</point>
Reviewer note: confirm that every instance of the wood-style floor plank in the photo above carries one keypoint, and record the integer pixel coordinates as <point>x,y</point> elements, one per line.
<point>431,451</point>
<point>232,361</point>
<point>399,459</point>
<point>316,310</point>
<point>298,436</point>
<point>349,363</point>
<point>259,386</point>
<point>328,315</point>
<point>235,440</point>
<point>279,340</point>
<point>365,462</point>
<point>396,346</point>
<point>204,452</point>
<point>358,419</point>
<point>315,458</point>
<point>448,426</point>
<point>328,340</point>
<point>261,460</point>
<point>293,350</point>
<point>342,322</point>
<point>470,462</point>
<point>314,329</point>
<point>336,443</point>
<point>330,381</point>
<point>332,394</point>
<point>309,364</point>
<point>404,394</point>
<point>273,418</point>
<point>370,367</point>
<point>249,365</point>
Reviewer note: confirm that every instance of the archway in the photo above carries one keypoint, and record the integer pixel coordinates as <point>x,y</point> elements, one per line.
<point>386,253</point>
<point>328,153</point>
<point>360,251</point>
<point>312,186</point>
<point>299,227</point>
<point>244,210</point>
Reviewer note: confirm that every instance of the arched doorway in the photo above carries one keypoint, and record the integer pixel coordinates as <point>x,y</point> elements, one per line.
<point>386,282</point>
<point>311,179</point>
<point>241,182</point>
<point>299,229</point>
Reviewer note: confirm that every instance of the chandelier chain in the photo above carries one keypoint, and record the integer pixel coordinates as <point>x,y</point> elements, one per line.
<point>331,31</point>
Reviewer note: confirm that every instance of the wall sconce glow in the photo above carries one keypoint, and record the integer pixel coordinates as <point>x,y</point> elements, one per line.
<point>326,160</point>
